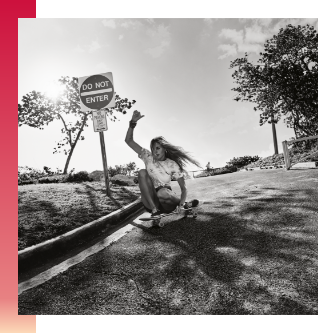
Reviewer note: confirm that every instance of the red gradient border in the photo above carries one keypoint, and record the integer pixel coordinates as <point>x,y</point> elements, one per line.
<point>10,322</point>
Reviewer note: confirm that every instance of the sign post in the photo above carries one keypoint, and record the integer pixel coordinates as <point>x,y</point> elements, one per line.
<point>96,93</point>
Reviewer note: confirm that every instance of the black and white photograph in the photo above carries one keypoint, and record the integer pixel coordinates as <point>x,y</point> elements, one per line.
<point>168,166</point>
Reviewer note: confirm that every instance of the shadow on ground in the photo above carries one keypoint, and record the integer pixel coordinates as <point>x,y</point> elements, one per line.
<point>247,253</point>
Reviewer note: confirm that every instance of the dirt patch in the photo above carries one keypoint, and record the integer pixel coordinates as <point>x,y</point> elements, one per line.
<point>49,210</point>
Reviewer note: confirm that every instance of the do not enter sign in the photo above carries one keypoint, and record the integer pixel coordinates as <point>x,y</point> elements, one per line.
<point>96,92</point>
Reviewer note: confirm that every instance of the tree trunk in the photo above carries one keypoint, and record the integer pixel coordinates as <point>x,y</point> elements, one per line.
<point>68,160</point>
<point>73,146</point>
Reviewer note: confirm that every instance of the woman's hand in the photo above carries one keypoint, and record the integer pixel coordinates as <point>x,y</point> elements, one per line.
<point>178,210</point>
<point>136,116</point>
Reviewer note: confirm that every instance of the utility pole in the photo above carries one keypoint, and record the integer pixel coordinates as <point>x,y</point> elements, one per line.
<point>272,115</point>
<point>274,134</point>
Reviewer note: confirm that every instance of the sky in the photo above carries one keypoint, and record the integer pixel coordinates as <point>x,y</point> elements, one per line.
<point>177,70</point>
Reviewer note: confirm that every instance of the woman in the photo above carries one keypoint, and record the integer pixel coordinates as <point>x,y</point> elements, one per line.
<point>164,160</point>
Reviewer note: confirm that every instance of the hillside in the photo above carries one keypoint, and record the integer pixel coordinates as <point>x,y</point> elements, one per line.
<point>296,155</point>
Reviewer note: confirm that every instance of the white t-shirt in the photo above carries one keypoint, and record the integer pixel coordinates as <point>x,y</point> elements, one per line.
<point>161,171</point>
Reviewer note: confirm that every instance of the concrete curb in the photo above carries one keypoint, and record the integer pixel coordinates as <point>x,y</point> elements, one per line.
<point>35,255</point>
<point>309,165</point>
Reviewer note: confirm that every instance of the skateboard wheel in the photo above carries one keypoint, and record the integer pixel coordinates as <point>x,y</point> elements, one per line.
<point>160,224</point>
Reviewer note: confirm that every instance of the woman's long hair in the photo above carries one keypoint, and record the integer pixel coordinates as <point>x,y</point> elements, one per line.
<point>175,153</point>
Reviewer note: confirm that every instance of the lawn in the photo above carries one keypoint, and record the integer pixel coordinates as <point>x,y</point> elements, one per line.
<point>50,210</point>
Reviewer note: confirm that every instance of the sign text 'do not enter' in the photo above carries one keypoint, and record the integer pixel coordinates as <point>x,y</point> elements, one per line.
<point>97,92</point>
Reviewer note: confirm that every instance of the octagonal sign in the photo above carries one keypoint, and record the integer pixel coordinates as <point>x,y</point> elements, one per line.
<point>96,92</point>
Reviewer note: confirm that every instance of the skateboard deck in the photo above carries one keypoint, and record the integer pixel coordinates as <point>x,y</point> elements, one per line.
<point>157,221</point>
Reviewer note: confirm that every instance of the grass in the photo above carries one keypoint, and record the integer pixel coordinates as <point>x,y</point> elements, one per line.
<point>49,210</point>
<point>296,155</point>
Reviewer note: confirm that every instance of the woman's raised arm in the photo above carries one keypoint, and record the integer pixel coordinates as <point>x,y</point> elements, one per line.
<point>129,136</point>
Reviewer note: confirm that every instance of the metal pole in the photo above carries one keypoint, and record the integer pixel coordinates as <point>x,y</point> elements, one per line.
<point>285,153</point>
<point>274,134</point>
<point>103,149</point>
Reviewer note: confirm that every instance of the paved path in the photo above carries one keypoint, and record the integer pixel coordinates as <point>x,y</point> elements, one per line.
<point>252,250</point>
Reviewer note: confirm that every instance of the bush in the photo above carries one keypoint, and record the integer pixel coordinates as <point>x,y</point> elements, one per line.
<point>27,182</point>
<point>222,171</point>
<point>123,180</point>
<point>81,176</point>
<point>27,175</point>
<point>48,180</point>
<point>215,172</point>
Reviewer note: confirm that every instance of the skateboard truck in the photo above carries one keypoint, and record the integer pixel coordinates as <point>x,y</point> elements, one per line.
<point>157,219</point>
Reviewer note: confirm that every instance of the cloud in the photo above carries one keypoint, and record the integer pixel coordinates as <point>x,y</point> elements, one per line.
<point>125,23</point>
<point>255,33</point>
<point>229,49</point>
<point>161,37</point>
<point>109,23</point>
<point>233,35</point>
<point>157,51</point>
<point>265,21</point>
<point>121,37</point>
<point>298,21</point>
<point>261,21</point>
<point>208,21</point>
<point>94,46</point>
<point>246,47</point>
<point>130,24</point>
<point>79,49</point>
<point>244,42</point>
<point>207,28</point>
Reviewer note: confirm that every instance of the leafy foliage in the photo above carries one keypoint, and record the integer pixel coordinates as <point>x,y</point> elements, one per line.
<point>81,176</point>
<point>28,175</point>
<point>214,172</point>
<point>131,167</point>
<point>38,110</point>
<point>284,82</point>
<point>239,162</point>
<point>123,169</point>
<point>122,180</point>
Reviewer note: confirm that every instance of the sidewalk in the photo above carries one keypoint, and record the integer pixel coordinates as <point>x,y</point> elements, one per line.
<point>251,250</point>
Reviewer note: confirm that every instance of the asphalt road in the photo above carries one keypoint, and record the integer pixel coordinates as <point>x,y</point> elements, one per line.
<point>252,250</point>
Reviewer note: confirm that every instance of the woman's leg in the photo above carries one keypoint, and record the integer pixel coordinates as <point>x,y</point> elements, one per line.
<point>168,199</point>
<point>148,193</point>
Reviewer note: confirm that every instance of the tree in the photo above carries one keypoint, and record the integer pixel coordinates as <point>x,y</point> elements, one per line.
<point>111,171</point>
<point>131,166</point>
<point>120,169</point>
<point>285,80</point>
<point>38,110</point>
<point>239,162</point>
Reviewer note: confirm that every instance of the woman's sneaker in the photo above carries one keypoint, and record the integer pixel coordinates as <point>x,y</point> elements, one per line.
<point>191,204</point>
<point>156,213</point>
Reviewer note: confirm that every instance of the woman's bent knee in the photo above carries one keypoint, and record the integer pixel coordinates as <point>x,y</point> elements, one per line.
<point>163,194</point>
<point>143,173</point>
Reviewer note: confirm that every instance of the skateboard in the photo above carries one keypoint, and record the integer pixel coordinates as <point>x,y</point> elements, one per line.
<point>190,212</point>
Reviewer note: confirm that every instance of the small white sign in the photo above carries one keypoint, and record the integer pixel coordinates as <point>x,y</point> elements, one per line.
<point>99,121</point>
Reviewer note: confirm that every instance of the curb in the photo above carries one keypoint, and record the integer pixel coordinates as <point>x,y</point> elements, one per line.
<point>38,254</point>
<point>309,165</point>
